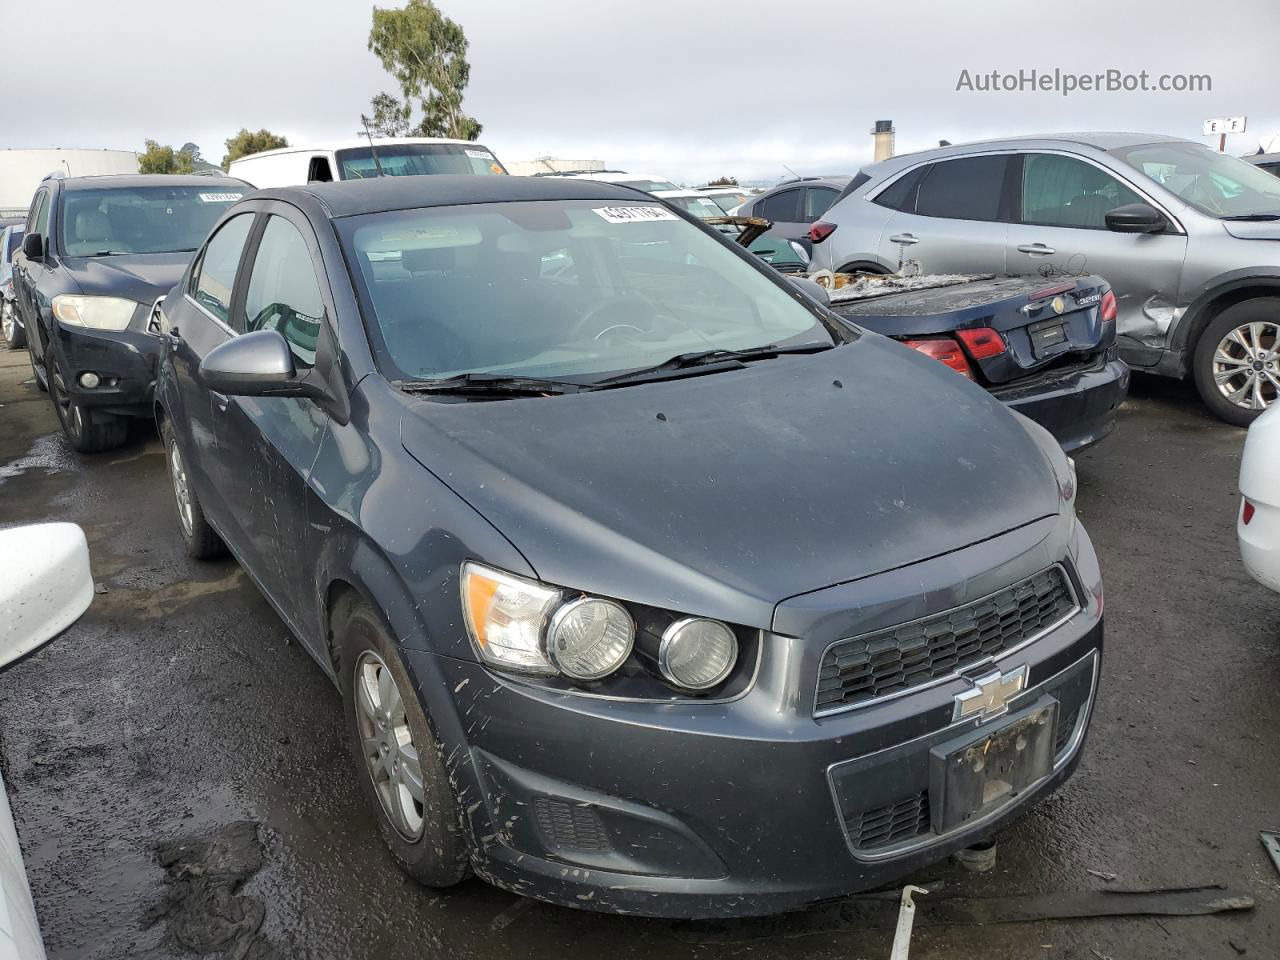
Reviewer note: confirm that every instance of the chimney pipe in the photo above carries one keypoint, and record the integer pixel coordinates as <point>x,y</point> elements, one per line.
<point>882,135</point>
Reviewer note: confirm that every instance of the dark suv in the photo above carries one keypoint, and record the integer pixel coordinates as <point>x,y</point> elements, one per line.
<point>98,255</point>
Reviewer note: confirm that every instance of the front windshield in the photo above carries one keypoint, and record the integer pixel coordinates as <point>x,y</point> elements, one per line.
<point>703,207</point>
<point>159,219</point>
<point>648,186</point>
<point>417,159</point>
<point>557,289</point>
<point>1213,183</point>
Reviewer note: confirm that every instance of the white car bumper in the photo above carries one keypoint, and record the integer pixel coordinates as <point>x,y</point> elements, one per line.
<point>1260,543</point>
<point>1260,489</point>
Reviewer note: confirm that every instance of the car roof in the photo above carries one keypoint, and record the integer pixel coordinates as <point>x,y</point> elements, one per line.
<point>109,181</point>
<point>611,176</point>
<point>838,182</point>
<point>1097,141</point>
<point>354,144</point>
<point>349,198</point>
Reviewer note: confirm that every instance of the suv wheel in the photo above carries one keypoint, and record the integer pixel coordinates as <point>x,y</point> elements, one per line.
<point>15,337</point>
<point>201,541</point>
<point>399,758</point>
<point>88,431</point>
<point>1237,361</point>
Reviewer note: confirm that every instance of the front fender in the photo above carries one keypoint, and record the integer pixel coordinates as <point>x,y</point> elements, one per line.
<point>1196,316</point>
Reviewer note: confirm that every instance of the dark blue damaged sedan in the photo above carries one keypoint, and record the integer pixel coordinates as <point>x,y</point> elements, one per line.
<point>650,584</point>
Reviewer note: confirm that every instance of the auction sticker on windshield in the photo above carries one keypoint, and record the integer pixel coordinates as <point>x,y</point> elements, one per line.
<point>634,214</point>
<point>220,197</point>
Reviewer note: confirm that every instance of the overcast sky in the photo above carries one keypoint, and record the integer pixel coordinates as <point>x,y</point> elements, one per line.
<point>689,89</point>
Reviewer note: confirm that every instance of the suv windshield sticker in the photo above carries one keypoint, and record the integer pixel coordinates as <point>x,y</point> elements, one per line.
<point>220,197</point>
<point>479,154</point>
<point>634,214</point>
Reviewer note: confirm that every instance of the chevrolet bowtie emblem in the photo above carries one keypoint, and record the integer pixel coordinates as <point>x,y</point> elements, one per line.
<point>990,695</point>
<point>1059,305</point>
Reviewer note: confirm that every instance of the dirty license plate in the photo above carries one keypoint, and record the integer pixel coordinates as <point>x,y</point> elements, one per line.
<point>1046,335</point>
<point>977,774</point>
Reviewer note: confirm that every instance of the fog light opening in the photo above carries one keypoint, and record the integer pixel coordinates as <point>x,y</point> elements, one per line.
<point>90,380</point>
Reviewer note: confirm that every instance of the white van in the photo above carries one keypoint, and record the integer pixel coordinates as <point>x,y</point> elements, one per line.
<point>358,160</point>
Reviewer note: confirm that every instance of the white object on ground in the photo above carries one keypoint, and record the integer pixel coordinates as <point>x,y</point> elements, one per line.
<point>906,918</point>
<point>1260,500</point>
<point>45,585</point>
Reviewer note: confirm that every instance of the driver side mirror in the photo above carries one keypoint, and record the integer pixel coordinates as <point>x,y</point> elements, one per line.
<point>46,587</point>
<point>33,247</point>
<point>811,289</point>
<point>258,364</point>
<point>1136,218</point>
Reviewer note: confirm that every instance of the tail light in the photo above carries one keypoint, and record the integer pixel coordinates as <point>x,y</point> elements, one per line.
<point>820,230</point>
<point>1246,513</point>
<point>982,342</point>
<point>1108,308</point>
<point>946,350</point>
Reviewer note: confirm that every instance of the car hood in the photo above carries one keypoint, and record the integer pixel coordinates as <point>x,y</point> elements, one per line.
<point>727,493</point>
<point>136,276</point>
<point>1253,229</point>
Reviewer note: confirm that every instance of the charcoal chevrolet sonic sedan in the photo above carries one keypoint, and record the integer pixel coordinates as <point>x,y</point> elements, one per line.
<point>650,585</point>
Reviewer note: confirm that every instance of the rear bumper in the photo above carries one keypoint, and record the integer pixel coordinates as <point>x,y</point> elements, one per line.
<point>125,361</point>
<point>1078,408</point>
<point>1260,543</point>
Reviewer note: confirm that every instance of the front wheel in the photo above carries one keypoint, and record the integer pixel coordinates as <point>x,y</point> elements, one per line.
<point>87,430</point>
<point>1237,361</point>
<point>15,337</point>
<point>399,759</point>
<point>198,537</point>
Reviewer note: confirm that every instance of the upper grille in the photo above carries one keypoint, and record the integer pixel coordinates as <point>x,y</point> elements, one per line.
<point>913,654</point>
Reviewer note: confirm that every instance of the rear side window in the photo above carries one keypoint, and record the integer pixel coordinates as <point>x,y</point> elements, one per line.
<point>965,189</point>
<point>216,276</point>
<point>1065,192</point>
<point>782,207</point>
<point>817,201</point>
<point>901,194</point>
<point>284,294</point>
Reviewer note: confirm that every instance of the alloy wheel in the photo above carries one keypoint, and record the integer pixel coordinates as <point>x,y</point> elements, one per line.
<point>1246,365</point>
<point>391,756</point>
<point>181,489</point>
<point>68,411</point>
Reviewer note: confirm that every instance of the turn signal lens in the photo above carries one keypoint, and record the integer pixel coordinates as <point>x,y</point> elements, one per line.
<point>1107,308</point>
<point>1246,513</point>
<point>505,616</point>
<point>820,230</point>
<point>982,342</point>
<point>946,350</point>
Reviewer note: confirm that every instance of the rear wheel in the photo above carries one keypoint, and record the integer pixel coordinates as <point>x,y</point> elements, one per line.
<point>201,541</point>
<point>15,337</point>
<point>87,430</point>
<point>401,767</point>
<point>1237,361</point>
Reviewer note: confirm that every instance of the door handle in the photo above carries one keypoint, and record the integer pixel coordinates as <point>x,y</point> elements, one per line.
<point>1036,249</point>
<point>905,239</point>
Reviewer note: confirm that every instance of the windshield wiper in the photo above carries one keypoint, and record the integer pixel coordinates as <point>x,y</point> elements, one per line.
<point>730,359</point>
<point>1254,216</point>
<point>490,385</point>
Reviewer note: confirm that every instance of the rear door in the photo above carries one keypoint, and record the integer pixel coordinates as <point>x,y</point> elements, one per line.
<point>269,444</point>
<point>785,210</point>
<point>949,216</point>
<point>27,275</point>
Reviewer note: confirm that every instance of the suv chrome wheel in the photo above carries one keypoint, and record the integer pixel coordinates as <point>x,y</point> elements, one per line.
<point>390,755</point>
<point>1246,365</point>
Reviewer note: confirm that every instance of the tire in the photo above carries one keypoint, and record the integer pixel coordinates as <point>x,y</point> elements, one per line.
<point>425,833</point>
<point>198,537</point>
<point>15,337</point>
<point>86,429</point>
<point>864,266</point>
<point>1226,358</point>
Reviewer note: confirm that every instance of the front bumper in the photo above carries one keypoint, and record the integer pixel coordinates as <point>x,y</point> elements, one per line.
<point>126,361</point>
<point>1078,408</point>
<point>740,808</point>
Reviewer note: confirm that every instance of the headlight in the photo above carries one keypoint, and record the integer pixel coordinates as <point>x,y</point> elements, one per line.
<point>98,313</point>
<point>590,638</point>
<point>696,653</point>
<point>506,616</point>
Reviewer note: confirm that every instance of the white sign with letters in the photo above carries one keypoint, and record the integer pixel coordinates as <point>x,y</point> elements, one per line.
<point>1213,128</point>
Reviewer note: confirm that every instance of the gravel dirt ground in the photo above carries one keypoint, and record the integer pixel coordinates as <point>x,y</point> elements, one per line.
<point>177,709</point>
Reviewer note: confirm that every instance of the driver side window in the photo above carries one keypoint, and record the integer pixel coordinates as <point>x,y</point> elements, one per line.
<point>284,294</point>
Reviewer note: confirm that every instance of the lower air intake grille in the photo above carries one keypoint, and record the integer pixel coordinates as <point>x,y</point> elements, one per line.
<point>885,662</point>
<point>570,827</point>
<point>890,824</point>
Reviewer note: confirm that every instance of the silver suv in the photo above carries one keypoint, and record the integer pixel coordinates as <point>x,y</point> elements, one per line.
<point>1188,238</point>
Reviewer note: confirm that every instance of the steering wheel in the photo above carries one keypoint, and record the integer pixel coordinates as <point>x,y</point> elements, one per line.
<point>627,303</point>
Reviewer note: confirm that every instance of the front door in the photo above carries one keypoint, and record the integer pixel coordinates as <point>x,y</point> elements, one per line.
<point>1061,231</point>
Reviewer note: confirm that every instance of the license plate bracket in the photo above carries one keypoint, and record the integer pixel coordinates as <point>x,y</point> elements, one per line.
<point>1045,335</point>
<point>982,771</point>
